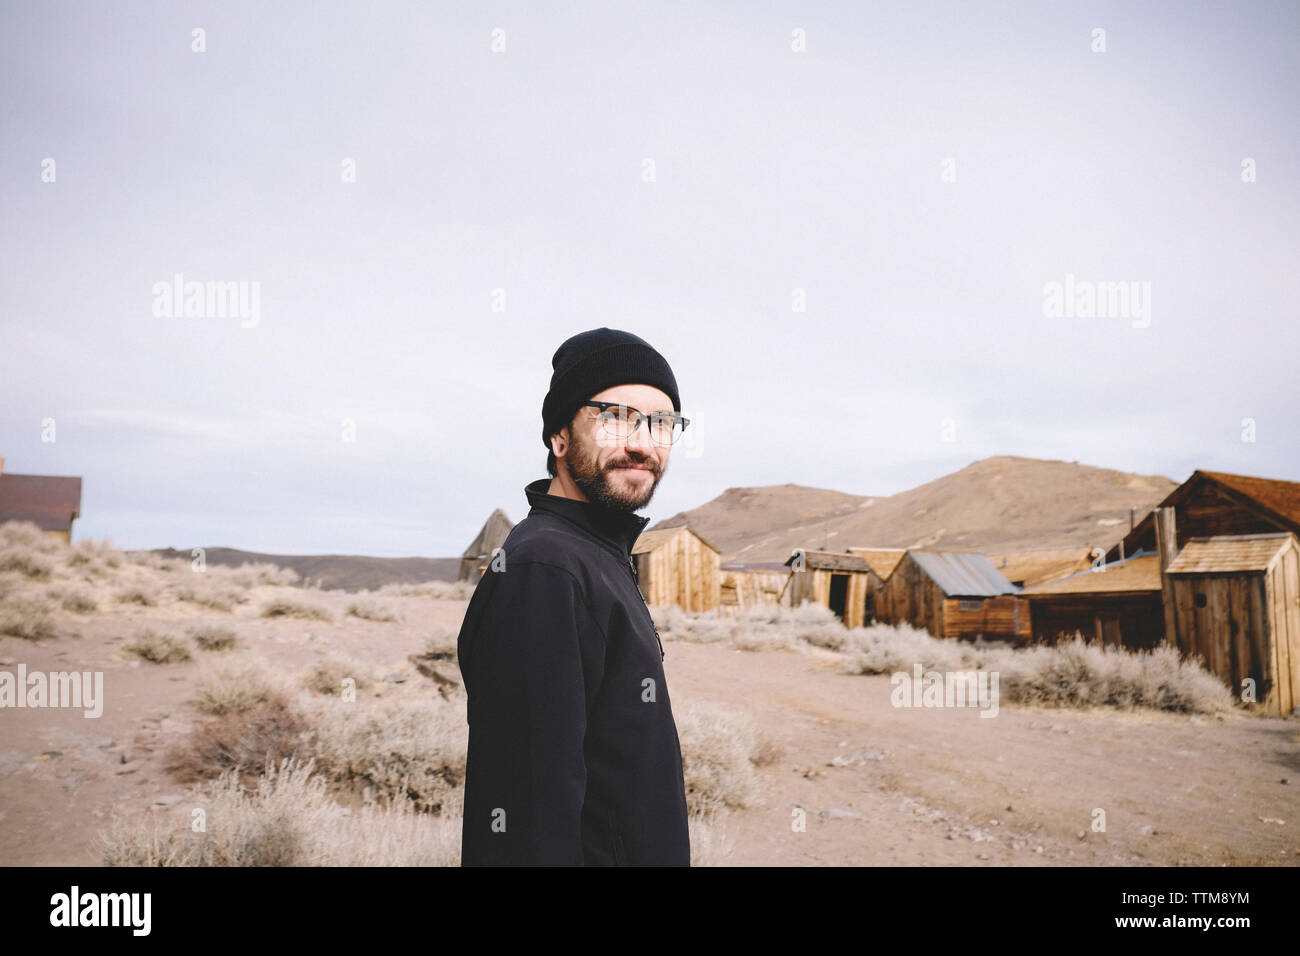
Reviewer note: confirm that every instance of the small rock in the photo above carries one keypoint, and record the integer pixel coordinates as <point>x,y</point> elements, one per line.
<point>167,800</point>
<point>839,813</point>
<point>1083,834</point>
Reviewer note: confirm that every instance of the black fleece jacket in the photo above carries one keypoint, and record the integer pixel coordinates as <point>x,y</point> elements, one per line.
<point>574,757</point>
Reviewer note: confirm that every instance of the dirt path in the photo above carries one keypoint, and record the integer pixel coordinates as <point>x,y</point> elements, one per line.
<point>936,786</point>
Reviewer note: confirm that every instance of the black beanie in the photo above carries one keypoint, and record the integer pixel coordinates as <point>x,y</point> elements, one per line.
<point>593,361</point>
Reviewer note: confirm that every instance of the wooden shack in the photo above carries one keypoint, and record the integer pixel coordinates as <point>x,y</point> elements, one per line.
<point>1236,604</point>
<point>1212,503</point>
<point>677,566</point>
<point>844,583</point>
<point>490,537</point>
<point>749,583</point>
<point>952,594</point>
<point>1118,605</point>
<point>51,502</point>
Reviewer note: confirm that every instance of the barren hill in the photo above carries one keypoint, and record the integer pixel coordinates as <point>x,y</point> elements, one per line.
<point>998,504</point>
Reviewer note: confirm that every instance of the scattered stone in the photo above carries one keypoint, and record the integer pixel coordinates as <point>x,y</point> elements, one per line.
<point>167,800</point>
<point>839,813</point>
<point>870,753</point>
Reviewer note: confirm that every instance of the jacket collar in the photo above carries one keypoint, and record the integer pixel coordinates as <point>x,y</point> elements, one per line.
<point>616,529</point>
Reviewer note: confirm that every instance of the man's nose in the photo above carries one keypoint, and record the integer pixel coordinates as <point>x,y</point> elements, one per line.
<point>639,441</point>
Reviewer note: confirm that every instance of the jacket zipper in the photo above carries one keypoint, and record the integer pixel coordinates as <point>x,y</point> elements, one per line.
<point>636,579</point>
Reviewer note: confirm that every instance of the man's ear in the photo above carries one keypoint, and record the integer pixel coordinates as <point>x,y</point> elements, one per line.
<point>561,442</point>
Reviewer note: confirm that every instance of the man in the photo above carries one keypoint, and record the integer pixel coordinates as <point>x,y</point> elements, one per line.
<point>574,757</point>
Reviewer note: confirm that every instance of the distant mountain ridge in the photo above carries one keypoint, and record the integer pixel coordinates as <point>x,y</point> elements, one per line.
<point>998,504</point>
<point>350,572</point>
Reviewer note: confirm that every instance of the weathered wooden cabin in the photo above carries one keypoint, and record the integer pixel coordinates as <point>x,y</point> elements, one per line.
<point>952,594</point>
<point>51,502</point>
<point>677,566</point>
<point>845,583</point>
<point>492,536</point>
<point>1212,503</point>
<point>747,583</point>
<point>1236,604</point>
<point>1116,604</point>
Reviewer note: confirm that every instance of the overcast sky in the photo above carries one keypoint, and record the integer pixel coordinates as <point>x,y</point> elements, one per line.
<point>913,176</point>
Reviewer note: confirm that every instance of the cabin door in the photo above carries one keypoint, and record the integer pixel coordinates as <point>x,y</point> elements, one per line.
<point>839,594</point>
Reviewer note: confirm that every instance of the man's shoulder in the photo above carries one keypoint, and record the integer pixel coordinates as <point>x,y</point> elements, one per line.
<point>547,539</point>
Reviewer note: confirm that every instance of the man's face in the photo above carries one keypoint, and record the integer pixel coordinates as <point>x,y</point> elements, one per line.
<point>620,474</point>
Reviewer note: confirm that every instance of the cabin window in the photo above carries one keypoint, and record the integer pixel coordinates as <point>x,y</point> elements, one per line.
<point>1199,600</point>
<point>968,605</point>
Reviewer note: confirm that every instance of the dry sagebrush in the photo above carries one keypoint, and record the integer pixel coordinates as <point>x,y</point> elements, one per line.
<point>286,820</point>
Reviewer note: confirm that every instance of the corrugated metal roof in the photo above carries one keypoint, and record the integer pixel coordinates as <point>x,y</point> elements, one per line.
<point>961,574</point>
<point>1141,572</point>
<point>1227,553</point>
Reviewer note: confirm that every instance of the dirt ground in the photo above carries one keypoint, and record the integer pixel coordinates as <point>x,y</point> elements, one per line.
<point>875,784</point>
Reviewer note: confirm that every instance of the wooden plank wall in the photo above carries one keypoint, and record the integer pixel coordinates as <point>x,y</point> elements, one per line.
<point>910,596</point>
<point>746,588</point>
<point>1229,632</point>
<point>682,571</point>
<point>1134,621</point>
<point>814,585</point>
<point>1283,597</point>
<point>1000,617</point>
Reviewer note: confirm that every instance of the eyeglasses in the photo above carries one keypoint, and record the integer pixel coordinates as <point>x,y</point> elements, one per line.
<point>620,421</point>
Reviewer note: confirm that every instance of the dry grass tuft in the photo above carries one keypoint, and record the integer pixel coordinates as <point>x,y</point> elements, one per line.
<point>437,590</point>
<point>1069,674</point>
<point>710,845</point>
<point>30,618</point>
<point>144,595</point>
<point>327,676</point>
<point>285,607</point>
<point>209,597</point>
<point>255,574</point>
<point>238,739</point>
<point>287,820</point>
<point>236,686</point>
<point>369,611</point>
<point>212,638</point>
<point>158,648</point>
<point>719,751</point>
<point>76,600</point>
<point>410,748</point>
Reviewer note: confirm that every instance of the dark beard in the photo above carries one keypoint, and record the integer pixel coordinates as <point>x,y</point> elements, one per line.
<point>594,481</point>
